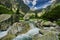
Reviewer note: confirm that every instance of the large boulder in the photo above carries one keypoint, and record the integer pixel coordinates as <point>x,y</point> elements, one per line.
<point>5,21</point>
<point>47,36</point>
<point>19,28</point>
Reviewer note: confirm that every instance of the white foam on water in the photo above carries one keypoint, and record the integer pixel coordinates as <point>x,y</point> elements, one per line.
<point>20,37</point>
<point>2,34</point>
<point>33,32</point>
<point>31,25</point>
<point>27,35</point>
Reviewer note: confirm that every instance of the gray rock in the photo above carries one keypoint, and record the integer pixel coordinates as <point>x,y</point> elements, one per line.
<point>5,21</point>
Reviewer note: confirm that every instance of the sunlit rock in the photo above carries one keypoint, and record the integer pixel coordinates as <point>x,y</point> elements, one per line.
<point>5,21</point>
<point>4,17</point>
<point>19,27</point>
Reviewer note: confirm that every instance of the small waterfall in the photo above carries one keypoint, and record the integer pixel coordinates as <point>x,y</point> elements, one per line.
<point>31,25</point>
<point>33,32</point>
<point>28,35</point>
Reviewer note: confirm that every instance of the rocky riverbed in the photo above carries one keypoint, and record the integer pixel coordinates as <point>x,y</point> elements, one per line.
<point>30,30</point>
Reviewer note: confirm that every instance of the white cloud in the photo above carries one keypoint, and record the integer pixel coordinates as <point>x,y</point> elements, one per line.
<point>34,2</point>
<point>26,1</point>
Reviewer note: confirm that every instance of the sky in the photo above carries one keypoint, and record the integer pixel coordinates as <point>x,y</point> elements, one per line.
<point>37,4</point>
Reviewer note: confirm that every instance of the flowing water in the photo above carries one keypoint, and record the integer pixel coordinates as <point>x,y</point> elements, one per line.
<point>33,31</point>
<point>4,33</point>
<point>28,36</point>
<point>31,25</point>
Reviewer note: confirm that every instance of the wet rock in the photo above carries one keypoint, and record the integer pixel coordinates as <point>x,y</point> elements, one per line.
<point>43,23</point>
<point>47,36</point>
<point>4,17</point>
<point>8,37</point>
<point>58,29</point>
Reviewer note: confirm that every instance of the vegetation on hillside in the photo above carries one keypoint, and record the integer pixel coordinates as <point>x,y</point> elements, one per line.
<point>52,15</point>
<point>4,10</point>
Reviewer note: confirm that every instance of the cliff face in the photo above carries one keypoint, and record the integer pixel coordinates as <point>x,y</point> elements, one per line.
<point>6,3</point>
<point>15,4</point>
